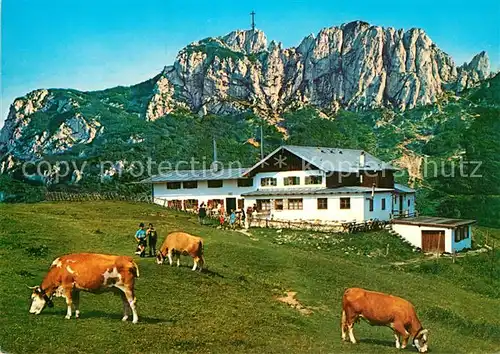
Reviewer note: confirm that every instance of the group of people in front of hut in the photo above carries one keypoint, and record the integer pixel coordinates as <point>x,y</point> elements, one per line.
<point>233,219</point>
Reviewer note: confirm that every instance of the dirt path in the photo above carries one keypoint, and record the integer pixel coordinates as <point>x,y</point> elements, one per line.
<point>290,300</point>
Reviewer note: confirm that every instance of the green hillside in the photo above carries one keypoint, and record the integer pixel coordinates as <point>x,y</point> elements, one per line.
<point>448,149</point>
<point>231,307</point>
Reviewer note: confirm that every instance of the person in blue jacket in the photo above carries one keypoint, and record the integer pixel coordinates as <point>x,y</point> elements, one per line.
<point>140,237</point>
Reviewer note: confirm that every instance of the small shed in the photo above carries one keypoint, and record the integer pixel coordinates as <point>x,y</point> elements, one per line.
<point>435,234</point>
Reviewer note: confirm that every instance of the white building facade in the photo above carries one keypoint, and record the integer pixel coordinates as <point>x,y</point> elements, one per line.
<point>434,234</point>
<point>295,183</point>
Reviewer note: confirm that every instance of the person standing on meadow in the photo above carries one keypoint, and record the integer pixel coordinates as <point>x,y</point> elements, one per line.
<point>232,219</point>
<point>248,220</point>
<point>140,237</point>
<point>202,213</point>
<point>152,238</point>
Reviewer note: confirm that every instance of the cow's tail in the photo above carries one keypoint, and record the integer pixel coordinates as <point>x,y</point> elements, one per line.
<point>200,247</point>
<point>134,269</point>
<point>201,252</point>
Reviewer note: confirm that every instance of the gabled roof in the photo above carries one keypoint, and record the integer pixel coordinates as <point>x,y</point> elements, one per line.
<point>197,175</point>
<point>332,159</point>
<point>400,188</point>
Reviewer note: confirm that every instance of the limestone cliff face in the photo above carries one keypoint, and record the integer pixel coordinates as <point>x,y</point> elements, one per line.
<point>20,137</point>
<point>354,66</point>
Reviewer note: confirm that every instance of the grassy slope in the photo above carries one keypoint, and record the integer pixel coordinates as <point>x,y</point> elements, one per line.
<point>230,308</point>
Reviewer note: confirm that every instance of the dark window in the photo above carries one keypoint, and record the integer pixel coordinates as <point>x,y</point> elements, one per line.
<point>409,202</point>
<point>322,203</point>
<point>214,203</point>
<point>345,203</point>
<point>173,185</point>
<point>383,203</point>
<point>295,204</point>
<point>314,179</point>
<point>176,204</point>
<point>215,183</point>
<point>370,202</point>
<point>268,181</point>
<point>263,204</point>
<point>278,204</point>
<point>461,233</point>
<point>245,182</point>
<point>191,203</point>
<point>190,184</point>
<point>291,181</point>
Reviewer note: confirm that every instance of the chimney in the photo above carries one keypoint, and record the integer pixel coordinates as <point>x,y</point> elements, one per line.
<point>362,159</point>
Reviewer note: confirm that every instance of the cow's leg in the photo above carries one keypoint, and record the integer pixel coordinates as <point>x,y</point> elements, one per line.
<point>69,302</point>
<point>400,329</point>
<point>351,333</point>
<point>129,294</point>
<point>351,317</point>
<point>178,255</point>
<point>76,302</point>
<point>126,307</point>
<point>396,336</point>
<point>169,255</point>
<point>343,326</point>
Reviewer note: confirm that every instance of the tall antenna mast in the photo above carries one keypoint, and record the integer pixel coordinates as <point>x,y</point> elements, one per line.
<point>253,20</point>
<point>215,150</point>
<point>261,143</point>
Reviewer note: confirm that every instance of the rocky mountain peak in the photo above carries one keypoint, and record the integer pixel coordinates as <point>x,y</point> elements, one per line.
<point>480,64</point>
<point>246,41</point>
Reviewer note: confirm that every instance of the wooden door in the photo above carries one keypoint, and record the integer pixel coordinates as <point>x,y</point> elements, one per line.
<point>433,241</point>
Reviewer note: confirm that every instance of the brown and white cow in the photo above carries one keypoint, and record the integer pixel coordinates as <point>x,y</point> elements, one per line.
<point>380,309</point>
<point>91,272</point>
<point>178,243</point>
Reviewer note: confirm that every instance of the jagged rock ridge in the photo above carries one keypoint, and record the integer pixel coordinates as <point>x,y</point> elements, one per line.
<point>354,66</point>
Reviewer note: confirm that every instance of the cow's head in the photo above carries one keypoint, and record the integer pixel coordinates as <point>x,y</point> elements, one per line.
<point>160,258</point>
<point>420,340</point>
<point>39,300</point>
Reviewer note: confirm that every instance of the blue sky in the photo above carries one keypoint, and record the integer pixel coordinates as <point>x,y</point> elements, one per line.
<point>93,44</point>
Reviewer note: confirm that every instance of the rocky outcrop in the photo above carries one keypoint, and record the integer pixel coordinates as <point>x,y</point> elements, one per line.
<point>19,137</point>
<point>470,74</point>
<point>20,114</point>
<point>74,131</point>
<point>355,66</point>
<point>162,102</point>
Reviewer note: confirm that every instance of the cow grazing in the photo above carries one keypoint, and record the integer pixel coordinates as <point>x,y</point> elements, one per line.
<point>380,309</point>
<point>95,273</point>
<point>178,243</point>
